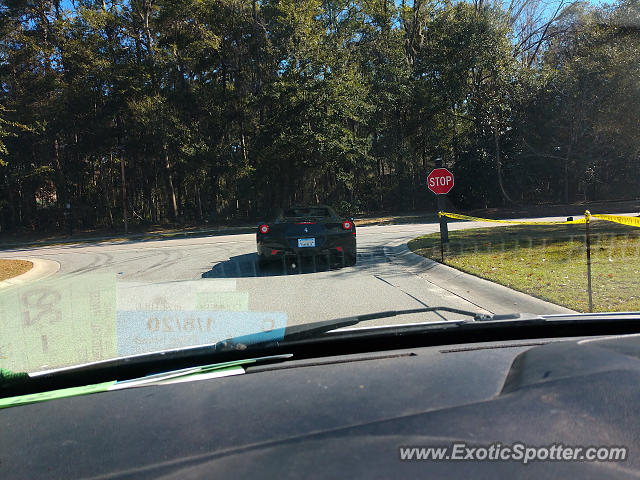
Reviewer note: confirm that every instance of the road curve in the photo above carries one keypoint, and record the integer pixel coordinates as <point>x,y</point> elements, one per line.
<point>309,292</point>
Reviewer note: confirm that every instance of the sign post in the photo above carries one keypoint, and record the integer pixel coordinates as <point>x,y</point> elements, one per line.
<point>440,181</point>
<point>588,245</point>
<point>67,214</point>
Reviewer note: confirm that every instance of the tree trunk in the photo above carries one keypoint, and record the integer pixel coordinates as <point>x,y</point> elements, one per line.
<point>505,195</point>
<point>146,15</point>
<point>148,198</point>
<point>12,204</point>
<point>199,199</point>
<point>154,207</point>
<point>124,195</point>
<point>170,190</point>
<point>105,191</point>
<point>566,177</point>
<point>61,188</point>
<point>243,145</point>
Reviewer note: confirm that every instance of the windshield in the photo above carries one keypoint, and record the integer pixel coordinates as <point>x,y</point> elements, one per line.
<point>307,212</point>
<point>175,174</point>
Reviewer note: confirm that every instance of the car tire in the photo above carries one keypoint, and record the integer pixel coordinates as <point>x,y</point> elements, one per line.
<point>350,259</point>
<point>262,262</point>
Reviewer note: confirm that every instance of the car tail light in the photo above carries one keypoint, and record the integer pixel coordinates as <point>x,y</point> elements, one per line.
<point>274,252</point>
<point>264,229</point>
<point>339,249</point>
<point>347,225</point>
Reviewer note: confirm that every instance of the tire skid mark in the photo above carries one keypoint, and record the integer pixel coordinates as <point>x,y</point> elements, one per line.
<point>98,260</point>
<point>109,262</point>
<point>164,258</point>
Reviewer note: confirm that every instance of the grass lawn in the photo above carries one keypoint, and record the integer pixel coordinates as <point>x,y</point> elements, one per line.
<point>549,261</point>
<point>13,268</point>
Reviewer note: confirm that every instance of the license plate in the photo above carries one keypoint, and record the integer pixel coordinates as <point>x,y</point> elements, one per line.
<point>306,242</point>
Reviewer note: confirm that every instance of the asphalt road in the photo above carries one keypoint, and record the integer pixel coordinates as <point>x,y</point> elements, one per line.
<point>129,297</point>
<point>306,293</point>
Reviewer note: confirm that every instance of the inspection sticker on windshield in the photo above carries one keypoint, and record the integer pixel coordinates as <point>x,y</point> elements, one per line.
<point>57,322</point>
<point>147,331</point>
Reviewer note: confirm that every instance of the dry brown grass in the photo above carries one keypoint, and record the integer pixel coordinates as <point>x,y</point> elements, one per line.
<point>13,268</point>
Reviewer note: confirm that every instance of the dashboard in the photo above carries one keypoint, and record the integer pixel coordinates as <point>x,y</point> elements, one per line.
<point>346,416</point>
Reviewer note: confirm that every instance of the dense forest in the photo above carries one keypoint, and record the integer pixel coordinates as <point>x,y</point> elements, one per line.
<point>204,110</point>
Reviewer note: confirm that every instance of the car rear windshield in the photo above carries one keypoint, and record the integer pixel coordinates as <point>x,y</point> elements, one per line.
<point>310,212</point>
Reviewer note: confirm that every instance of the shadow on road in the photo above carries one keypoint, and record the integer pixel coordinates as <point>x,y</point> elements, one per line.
<point>247,266</point>
<point>243,266</point>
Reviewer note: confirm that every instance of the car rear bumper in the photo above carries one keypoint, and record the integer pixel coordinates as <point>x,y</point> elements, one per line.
<point>331,247</point>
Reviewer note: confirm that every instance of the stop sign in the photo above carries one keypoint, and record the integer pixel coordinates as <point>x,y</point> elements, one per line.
<point>440,181</point>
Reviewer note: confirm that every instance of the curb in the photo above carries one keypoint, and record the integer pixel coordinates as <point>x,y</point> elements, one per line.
<point>41,269</point>
<point>483,293</point>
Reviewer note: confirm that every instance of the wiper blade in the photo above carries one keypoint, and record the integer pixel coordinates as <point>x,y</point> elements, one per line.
<point>310,330</point>
<point>221,369</point>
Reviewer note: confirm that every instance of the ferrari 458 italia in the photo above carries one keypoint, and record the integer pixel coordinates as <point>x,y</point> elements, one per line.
<point>307,231</point>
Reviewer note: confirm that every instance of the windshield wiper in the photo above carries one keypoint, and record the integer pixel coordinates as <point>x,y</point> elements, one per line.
<point>311,330</point>
<point>150,368</point>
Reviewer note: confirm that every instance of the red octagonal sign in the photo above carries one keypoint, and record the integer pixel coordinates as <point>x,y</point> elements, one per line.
<point>440,181</point>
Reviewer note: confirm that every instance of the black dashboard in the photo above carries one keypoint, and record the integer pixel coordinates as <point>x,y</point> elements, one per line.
<point>347,416</point>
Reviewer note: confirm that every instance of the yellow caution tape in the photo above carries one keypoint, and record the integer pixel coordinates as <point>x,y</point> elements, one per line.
<point>633,221</point>
<point>588,217</point>
<point>520,222</point>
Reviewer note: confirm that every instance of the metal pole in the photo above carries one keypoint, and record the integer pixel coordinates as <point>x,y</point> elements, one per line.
<point>588,218</point>
<point>67,214</point>
<point>441,248</point>
<point>444,229</point>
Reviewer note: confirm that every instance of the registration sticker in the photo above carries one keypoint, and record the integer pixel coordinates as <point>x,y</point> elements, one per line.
<point>150,331</point>
<point>306,242</point>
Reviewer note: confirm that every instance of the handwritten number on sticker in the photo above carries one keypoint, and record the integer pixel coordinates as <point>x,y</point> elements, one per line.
<point>43,301</point>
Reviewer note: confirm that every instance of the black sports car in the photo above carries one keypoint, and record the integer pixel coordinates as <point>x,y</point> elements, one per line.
<point>307,231</point>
